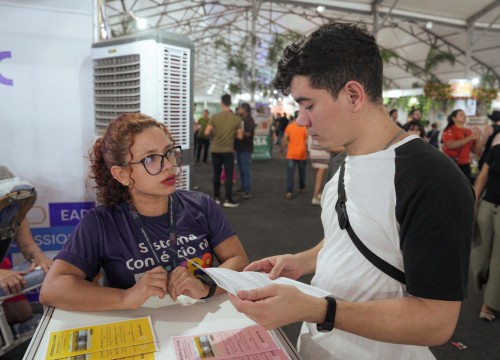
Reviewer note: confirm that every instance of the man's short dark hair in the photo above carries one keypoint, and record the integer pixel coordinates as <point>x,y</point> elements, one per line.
<point>330,57</point>
<point>245,106</point>
<point>226,99</point>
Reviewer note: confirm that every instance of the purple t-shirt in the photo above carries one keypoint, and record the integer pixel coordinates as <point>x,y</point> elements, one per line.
<point>108,238</point>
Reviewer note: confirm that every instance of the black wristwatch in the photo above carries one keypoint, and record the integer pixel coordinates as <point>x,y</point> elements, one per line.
<point>331,310</point>
<point>207,280</point>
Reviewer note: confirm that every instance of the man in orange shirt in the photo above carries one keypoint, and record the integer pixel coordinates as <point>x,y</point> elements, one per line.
<point>296,139</point>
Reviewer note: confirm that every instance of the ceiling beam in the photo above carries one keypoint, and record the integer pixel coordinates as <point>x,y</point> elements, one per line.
<point>472,19</point>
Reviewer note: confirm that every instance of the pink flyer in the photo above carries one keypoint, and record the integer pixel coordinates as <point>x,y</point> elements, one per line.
<point>250,343</point>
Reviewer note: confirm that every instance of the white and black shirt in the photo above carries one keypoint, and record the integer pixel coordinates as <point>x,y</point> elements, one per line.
<point>411,206</point>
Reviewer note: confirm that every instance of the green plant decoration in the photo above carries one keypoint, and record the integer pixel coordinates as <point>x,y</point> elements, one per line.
<point>437,91</point>
<point>234,89</point>
<point>280,41</point>
<point>435,56</point>
<point>387,55</point>
<point>484,95</point>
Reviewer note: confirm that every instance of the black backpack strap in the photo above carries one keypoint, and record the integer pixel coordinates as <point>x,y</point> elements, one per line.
<point>335,164</point>
<point>341,210</point>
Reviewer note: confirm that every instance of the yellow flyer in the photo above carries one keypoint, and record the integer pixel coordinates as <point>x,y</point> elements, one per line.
<point>139,352</point>
<point>147,356</point>
<point>98,338</point>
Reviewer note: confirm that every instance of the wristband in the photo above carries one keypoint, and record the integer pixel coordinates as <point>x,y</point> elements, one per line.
<point>207,280</point>
<point>331,310</point>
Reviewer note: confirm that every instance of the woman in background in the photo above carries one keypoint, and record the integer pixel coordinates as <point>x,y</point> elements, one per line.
<point>459,141</point>
<point>147,234</point>
<point>320,160</point>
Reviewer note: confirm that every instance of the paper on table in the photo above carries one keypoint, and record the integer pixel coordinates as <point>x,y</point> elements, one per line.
<point>234,281</point>
<point>227,344</point>
<point>112,340</point>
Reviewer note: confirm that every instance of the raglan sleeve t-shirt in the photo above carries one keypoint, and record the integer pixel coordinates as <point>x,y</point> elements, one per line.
<point>108,238</point>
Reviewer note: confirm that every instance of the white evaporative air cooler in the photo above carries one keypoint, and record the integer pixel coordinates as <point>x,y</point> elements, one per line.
<point>151,73</point>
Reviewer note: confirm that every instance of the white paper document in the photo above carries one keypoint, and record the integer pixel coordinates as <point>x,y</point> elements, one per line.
<point>233,281</point>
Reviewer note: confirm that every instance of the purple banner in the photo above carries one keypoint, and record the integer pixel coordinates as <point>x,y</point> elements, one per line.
<point>68,214</point>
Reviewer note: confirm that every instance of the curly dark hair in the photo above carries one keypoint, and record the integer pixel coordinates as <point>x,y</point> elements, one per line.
<point>330,57</point>
<point>112,149</point>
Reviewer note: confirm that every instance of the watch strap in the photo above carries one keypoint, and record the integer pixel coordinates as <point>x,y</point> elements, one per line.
<point>331,310</point>
<point>207,280</point>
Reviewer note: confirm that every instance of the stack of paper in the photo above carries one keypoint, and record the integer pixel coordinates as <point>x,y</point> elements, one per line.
<point>130,339</point>
<point>250,343</point>
<point>234,281</point>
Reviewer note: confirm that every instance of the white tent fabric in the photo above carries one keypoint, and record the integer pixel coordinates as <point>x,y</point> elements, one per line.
<point>407,28</point>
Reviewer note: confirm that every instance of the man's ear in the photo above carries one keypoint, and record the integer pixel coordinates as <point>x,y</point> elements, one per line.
<point>120,174</point>
<point>356,93</point>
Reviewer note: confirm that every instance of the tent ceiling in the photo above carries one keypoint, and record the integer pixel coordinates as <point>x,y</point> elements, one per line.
<point>402,26</point>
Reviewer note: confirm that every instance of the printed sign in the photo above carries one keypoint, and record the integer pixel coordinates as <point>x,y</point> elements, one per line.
<point>261,147</point>
<point>68,214</point>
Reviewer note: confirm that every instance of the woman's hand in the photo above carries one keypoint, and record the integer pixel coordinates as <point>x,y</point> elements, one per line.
<point>153,283</point>
<point>476,134</point>
<point>182,282</point>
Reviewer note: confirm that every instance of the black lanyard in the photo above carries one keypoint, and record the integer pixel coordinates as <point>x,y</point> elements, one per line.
<point>172,246</point>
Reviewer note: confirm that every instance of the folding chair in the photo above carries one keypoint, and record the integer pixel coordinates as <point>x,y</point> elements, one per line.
<point>16,198</point>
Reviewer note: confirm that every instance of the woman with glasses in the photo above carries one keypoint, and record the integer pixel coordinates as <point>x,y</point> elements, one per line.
<point>148,237</point>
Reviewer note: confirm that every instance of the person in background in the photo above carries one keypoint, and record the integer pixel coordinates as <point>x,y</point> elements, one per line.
<point>459,141</point>
<point>282,124</point>
<point>415,127</point>
<point>489,134</point>
<point>17,309</point>
<point>147,234</point>
<point>295,141</point>
<point>320,160</point>
<point>203,140</point>
<point>485,254</point>
<point>224,127</point>
<point>393,114</point>
<point>415,114</point>
<point>244,150</point>
<point>411,217</point>
<point>432,135</point>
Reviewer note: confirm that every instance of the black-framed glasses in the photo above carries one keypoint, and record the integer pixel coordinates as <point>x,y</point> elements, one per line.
<point>154,163</point>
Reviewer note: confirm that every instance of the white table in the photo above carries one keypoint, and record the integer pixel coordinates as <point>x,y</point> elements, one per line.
<point>184,317</point>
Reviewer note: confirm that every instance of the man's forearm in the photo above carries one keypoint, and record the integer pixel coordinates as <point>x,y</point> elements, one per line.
<point>408,320</point>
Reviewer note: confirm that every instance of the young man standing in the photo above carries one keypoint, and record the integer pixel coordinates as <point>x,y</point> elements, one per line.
<point>295,142</point>
<point>399,202</point>
<point>224,127</point>
<point>244,150</point>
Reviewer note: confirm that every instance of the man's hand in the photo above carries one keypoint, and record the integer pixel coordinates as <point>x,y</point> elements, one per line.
<point>153,283</point>
<point>282,265</point>
<point>277,305</point>
<point>12,282</point>
<point>182,282</point>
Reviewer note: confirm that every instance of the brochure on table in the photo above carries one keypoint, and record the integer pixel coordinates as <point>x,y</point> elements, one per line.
<point>116,340</point>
